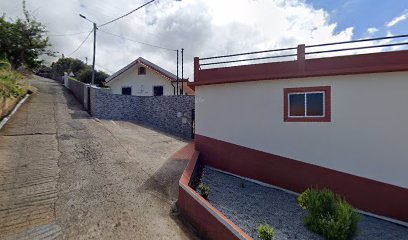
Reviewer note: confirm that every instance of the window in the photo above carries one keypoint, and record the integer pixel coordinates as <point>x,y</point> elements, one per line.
<point>126,91</point>
<point>142,71</point>
<point>158,90</point>
<point>309,104</point>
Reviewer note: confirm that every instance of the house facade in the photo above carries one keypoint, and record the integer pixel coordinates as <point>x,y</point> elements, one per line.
<point>144,78</point>
<point>337,123</point>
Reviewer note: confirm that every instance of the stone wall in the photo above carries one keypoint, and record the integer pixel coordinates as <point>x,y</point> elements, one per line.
<point>171,114</point>
<point>77,88</point>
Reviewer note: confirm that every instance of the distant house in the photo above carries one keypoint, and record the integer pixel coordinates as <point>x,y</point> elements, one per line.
<point>144,78</point>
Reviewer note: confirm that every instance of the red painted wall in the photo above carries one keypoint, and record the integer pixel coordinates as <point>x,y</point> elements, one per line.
<point>191,205</point>
<point>365,194</point>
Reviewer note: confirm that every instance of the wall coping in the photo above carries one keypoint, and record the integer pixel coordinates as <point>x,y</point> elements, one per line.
<point>302,68</point>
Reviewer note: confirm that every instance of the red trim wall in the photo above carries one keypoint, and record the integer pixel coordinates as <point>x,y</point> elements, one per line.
<point>327,104</point>
<point>198,211</point>
<point>342,65</point>
<point>365,194</point>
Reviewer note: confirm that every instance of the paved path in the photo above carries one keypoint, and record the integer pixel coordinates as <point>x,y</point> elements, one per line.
<point>64,175</point>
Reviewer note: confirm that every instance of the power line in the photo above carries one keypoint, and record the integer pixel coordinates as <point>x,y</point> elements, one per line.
<point>82,43</point>
<point>148,44</point>
<point>67,34</point>
<point>127,14</point>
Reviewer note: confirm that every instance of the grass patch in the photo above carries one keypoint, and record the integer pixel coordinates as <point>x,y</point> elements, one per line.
<point>11,83</point>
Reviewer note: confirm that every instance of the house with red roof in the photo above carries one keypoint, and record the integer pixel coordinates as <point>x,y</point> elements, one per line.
<point>144,78</point>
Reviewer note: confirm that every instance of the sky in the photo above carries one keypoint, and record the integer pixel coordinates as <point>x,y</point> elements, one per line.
<point>205,27</point>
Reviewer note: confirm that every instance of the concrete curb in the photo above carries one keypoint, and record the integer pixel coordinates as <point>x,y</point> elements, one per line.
<point>5,120</point>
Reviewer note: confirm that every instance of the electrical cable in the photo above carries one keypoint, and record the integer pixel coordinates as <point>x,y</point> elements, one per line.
<point>67,34</point>
<point>148,44</point>
<point>127,14</point>
<point>82,43</point>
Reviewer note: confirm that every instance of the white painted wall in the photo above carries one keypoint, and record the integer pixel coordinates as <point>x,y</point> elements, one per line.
<point>368,135</point>
<point>142,85</point>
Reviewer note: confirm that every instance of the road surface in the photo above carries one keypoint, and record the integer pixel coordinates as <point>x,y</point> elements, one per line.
<point>64,175</point>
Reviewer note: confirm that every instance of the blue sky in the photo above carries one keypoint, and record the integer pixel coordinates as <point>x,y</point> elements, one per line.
<point>365,14</point>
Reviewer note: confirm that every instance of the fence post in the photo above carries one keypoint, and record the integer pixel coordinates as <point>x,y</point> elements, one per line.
<point>301,57</point>
<point>196,68</point>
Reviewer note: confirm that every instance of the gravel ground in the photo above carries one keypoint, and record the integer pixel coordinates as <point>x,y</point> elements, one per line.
<point>248,204</point>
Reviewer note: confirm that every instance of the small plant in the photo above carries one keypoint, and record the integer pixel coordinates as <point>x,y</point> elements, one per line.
<point>265,232</point>
<point>329,214</point>
<point>204,190</point>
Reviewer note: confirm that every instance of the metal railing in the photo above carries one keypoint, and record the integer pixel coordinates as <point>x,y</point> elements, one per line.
<point>301,52</point>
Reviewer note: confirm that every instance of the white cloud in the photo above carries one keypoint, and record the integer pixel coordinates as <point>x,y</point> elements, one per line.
<point>397,20</point>
<point>202,27</point>
<point>372,30</point>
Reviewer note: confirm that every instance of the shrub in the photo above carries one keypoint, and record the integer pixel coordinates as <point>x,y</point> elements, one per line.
<point>265,232</point>
<point>204,190</point>
<point>9,86</point>
<point>329,214</point>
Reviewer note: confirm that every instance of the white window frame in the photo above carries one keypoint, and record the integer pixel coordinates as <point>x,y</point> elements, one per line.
<point>305,113</point>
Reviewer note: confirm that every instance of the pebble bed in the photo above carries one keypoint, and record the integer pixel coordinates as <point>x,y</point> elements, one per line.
<point>249,204</point>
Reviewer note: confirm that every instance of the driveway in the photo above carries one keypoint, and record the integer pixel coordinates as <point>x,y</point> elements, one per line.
<point>65,175</point>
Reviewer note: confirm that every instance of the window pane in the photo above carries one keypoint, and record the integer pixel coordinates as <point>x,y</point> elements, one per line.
<point>296,104</point>
<point>127,91</point>
<point>315,104</point>
<point>158,90</point>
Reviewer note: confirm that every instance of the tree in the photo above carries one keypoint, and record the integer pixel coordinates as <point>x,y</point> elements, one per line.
<point>86,76</point>
<point>23,42</point>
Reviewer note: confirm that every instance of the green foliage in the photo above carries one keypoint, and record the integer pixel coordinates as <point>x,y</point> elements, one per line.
<point>81,71</point>
<point>23,41</point>
<point>204,190</point>
<point>5,65</point>
<point>329,214</point>
<point>9,85</point>
<point>265,232</point>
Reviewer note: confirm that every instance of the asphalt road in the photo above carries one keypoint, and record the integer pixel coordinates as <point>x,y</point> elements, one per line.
<point>64,175</point>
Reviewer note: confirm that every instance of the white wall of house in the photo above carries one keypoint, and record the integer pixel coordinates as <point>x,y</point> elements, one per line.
<point>142,85</point>
<point>367,137</point>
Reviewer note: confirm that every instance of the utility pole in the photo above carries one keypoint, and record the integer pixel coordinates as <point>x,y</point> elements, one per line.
<point>94,52</point>
<point>182,71</point>
<point>86,60</point>
<point>94,48</point>
<point>177,73</point>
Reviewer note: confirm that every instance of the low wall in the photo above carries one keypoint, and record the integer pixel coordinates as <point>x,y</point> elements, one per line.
<point>78,89</point>
<point>172,114</point>
<point>6,105</point>
<point>209,222</point>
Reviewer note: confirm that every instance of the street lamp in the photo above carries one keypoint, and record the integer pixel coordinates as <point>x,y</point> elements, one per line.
<point>94,48</point>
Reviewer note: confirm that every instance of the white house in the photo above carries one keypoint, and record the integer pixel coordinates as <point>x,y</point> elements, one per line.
<point>144,78</point>
<point>336,122</point>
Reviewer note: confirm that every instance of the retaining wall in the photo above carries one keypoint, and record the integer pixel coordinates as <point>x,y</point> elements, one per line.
<point>209,222</point>
<point>78,89</point>
<point>172,114</point>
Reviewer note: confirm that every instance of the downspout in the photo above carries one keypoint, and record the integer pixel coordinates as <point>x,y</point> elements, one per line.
<point>174,87</point>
